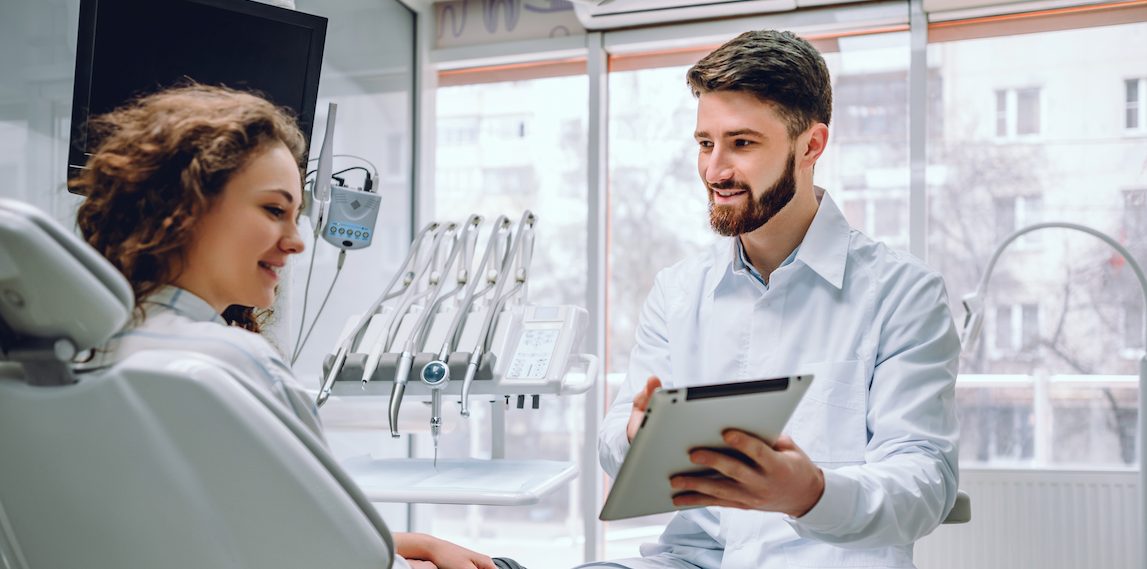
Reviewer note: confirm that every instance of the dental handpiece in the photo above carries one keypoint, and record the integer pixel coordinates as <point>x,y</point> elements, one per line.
<point>525,227</point>
<point>417,334</point>
<point>385,342</point>
<point>374,356</point>
<point>499,233</point>
<point>435,375</point>
<point>400,377</point>
<point>325,391</point>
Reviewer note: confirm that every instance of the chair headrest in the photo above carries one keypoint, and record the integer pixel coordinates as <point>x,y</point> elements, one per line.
<point>53,285</point>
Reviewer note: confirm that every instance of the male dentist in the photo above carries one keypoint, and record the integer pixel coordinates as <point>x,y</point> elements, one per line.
<point>868,463</point>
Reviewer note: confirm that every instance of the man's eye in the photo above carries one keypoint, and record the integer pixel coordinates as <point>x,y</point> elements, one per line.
<point>705,144</point>
<point>742,142</point>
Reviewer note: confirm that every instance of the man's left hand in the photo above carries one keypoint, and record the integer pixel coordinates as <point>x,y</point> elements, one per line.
<point>776,478</point>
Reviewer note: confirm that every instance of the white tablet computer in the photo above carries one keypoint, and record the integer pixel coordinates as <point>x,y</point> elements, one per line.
<point>679,420</point>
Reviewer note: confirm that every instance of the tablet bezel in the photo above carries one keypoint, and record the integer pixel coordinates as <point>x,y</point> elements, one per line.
<point>678,420</point>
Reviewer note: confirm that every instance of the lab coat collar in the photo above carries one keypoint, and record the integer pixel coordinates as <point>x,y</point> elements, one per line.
<point>825,245</point>
<point>824,248</point>
<point>182,302</point>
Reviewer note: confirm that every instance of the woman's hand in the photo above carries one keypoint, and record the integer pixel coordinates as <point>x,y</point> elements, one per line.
<point>438,553</point>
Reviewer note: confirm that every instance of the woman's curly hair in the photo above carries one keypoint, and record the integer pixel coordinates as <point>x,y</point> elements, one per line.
<point>159,164</point>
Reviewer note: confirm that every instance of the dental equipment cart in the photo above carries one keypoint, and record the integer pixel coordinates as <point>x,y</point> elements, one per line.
<point>443,329</point>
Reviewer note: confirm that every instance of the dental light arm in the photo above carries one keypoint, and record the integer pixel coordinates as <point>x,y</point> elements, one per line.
<point>973,322</point>
<point>345,346</point>
<point>321,191</point>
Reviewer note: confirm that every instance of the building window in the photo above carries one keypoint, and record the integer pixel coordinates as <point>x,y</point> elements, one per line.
<point>1014,213</point>
<point>1135,219</point>
<point>1133,327</point>
<point>882,218</point>
<point>504,127</point>
<point>1019,112</point>
<point>1017,328</point>
<point>458,131</point>
<point>1001,113</point>
<point>872,106</point>
<point>509,180</point>
<point>1135,104</point>
<point>459,180</point>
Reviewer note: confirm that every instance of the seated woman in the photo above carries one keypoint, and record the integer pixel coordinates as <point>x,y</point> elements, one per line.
<point>194,194</point>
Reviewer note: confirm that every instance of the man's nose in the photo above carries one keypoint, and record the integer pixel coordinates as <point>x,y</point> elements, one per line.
<point>718,169</point>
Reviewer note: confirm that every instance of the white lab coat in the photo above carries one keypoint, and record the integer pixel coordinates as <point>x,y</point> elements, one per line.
<point>873,325</point>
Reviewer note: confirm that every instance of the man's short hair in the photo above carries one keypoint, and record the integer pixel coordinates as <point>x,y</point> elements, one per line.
<point>778,68</point>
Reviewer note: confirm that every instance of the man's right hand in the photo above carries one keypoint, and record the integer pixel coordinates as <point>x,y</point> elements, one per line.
<point>640,402</point>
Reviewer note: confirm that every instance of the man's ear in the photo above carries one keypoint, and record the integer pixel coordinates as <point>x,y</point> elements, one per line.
<point>812,144</point>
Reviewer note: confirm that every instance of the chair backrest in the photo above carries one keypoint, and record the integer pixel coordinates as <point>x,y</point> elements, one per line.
<point>58,296</point>
<point>168,459</point>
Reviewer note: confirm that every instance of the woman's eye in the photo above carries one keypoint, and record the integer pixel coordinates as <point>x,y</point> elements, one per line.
<point>275,211</point>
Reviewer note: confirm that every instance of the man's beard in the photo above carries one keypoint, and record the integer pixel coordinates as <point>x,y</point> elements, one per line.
<point>730,220</point>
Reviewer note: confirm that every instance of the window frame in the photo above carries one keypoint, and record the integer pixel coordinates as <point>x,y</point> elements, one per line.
<point>1010,115</point>
<point>1140,104</point>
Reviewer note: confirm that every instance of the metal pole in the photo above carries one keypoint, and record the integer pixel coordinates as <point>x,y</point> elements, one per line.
<point>597,228</point>
<point>1143,446</point>
<point>918,131</point>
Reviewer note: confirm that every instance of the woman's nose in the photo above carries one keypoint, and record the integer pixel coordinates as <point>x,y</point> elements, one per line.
<point>292,243</point>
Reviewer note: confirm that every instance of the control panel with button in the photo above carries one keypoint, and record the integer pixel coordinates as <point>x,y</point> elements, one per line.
<point>351,219</point>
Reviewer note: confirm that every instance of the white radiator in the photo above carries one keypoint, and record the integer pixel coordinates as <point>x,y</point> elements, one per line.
<point>1045,519</point>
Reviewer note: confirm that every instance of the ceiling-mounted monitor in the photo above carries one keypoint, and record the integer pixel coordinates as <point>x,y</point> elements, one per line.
<point>128,48</point>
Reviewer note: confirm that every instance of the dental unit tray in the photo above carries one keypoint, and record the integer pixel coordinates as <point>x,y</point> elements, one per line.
<point>448,328</point>
<point>536,363</point>
<point>499,482</point>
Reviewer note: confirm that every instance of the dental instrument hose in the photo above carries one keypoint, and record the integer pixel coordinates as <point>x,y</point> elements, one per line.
<point>306,289</point>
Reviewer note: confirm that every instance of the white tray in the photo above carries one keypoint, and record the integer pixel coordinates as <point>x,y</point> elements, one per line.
<point>498,482</point>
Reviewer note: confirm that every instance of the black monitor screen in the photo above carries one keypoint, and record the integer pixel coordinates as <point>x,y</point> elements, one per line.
<point>128,48</point>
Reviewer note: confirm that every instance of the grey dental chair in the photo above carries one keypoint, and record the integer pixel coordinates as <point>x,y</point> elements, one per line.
<point>168,460</point>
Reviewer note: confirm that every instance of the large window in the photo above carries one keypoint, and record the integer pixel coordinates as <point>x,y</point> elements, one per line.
<point>1051,381</point>
<point>1050,132</point>
<point>504,147</point>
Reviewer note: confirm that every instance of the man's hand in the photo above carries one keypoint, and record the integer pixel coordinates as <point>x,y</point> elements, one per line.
<point>778,478</point>
<point>427,552</point>
<point>640,402</point>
